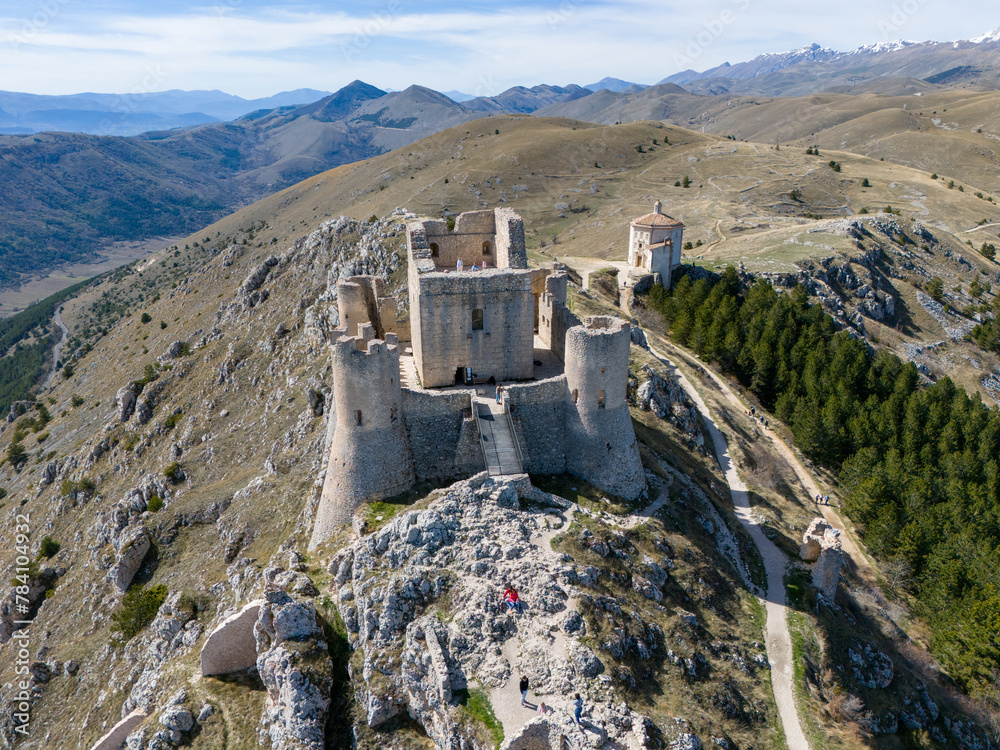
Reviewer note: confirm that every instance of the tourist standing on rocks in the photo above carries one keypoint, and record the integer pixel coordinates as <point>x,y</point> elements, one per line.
<point>577,708</point>
<point>524,690</point>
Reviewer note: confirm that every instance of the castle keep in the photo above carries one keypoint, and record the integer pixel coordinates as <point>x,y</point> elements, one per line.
<point>478,317</point>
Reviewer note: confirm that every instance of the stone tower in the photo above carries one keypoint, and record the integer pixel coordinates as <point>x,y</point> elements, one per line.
<point>370,457</point>
<point>654,244</point>
<point>600,441</point>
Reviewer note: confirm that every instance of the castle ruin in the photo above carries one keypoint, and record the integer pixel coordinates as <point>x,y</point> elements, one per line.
<point>478,317</point>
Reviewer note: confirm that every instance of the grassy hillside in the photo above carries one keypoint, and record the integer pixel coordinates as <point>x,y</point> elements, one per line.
<point>231,406</point>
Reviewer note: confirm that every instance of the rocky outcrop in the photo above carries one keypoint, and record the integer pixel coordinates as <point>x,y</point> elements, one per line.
<point>662,394</point>
<point>231,647</point>
<point>131,547</point>
<point>18,408</point>
<point>35,594</point>
<point>821,545</point>
<point>814,538</point>
<point>172,633</point>
<point>870,667</point>
<point>125,398</point>
<point>296,669</point>
<point>419,596</point>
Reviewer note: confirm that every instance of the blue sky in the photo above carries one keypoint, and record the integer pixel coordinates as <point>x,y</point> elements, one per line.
<point>254,48</point>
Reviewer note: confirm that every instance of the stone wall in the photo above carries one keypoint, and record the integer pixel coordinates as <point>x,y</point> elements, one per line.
<point>472,239</point>
<point>370,457</point>
<point>360,300</point>
<point>443,335</point>
<point>555,317</point>
<point>442,434</point>
<point>511,251</point>
<point>356,304</point>
<point>598,425</point>
<point>538,412</point>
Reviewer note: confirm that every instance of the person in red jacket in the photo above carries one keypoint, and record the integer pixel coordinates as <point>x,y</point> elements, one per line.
<point>511,598</point>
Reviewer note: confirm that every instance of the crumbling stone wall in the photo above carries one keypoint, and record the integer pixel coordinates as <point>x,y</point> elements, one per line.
<point>511,251</point>
<point>554,317</point>
<point>360,300</point>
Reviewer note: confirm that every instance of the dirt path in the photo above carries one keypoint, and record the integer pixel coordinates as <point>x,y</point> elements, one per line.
<point>506,700</point>
<point>777,638</point>
<point>58,347</point>
<point>860,562</point>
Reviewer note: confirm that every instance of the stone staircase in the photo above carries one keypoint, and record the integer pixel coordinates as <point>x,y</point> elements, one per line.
<point>499,447</point>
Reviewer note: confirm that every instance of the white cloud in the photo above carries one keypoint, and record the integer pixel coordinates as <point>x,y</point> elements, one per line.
<point>256,52</point>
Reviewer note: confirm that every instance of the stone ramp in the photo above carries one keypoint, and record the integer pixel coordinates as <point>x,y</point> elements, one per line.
<point>498,443</point>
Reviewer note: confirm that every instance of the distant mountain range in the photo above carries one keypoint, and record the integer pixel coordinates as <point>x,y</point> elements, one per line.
<point>68,194</point>
<point>131,114</point>
<point>974,63</point>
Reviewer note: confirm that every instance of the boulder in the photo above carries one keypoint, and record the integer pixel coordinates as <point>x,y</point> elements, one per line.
<point>126,401</point>
<point>177,718</point>
<point>231,647</point>
<point>131,545</point>
<point>49,473</point>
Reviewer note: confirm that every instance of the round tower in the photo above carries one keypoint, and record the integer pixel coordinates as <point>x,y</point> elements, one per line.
<point>600,441</point>
<point>370,457</point>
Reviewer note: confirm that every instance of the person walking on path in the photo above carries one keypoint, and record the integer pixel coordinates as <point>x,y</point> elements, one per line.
<point>499,392</point>
<point>524,690</point>
<point>577,708</point>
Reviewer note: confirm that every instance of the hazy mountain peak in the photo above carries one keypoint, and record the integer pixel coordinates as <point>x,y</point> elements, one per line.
<point>614,84</point>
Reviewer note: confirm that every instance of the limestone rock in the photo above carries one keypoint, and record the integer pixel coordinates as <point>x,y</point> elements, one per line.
<point>639,337</point>
<point>821,544</point>
<point>143,412</point>
<point>296,669</point>
<point>177,718</point>
<point>391,584</point>
<point>131,547</point>
<point>18,408</point>
<point>662,394</point>
<point>870,667</point>
<point>125,399</point>
<point>49,473</point>
<point>176,349</point>
<point>231,647</point>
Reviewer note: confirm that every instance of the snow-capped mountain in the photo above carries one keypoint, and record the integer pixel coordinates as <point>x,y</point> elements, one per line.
<point>973,62</point>
<point>989,36</point>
